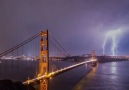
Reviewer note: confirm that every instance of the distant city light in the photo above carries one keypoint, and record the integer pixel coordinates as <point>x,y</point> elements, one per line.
<point>23,57</point>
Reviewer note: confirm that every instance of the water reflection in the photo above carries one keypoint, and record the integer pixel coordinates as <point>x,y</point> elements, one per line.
<point>114,63</point>
<point>114,70</point>
<point>107,76</point>
<point>94,69</point>
<point>113,67</point>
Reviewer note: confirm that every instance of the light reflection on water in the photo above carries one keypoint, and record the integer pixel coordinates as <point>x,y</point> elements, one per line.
<point>113,67</point>
<point>107,76</point>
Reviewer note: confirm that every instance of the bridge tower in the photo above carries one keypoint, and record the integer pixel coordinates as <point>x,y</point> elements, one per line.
<point>44,60</point>
<point>93,55</point>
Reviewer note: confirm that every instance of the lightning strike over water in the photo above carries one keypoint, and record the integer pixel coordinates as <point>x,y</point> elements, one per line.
<point>114,36</point>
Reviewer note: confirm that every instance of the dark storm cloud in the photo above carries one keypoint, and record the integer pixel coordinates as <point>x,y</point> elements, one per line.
<point>78,25</point>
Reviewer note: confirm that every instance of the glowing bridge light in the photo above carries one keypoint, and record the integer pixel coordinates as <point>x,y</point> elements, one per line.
<point>114,36</point>
<point>50,75</point>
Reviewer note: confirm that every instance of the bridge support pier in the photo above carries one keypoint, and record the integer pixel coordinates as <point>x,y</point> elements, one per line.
<point>94,63</point>
<point>44,60</point>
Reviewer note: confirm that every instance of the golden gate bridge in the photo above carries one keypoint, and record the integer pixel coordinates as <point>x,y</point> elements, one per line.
<point>45,48</point>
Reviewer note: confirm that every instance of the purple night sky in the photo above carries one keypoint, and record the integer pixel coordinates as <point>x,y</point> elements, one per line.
<point>78,25</point>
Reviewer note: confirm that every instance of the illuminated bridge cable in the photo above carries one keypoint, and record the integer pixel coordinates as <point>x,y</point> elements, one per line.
<point>56,47</point>
<point>59,44</point>
<point>19,45</point>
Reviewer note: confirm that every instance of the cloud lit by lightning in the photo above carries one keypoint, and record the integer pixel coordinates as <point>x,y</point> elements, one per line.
<point>114,36</point>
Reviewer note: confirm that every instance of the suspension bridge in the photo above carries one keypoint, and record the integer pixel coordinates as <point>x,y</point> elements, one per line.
<point>44,48</point>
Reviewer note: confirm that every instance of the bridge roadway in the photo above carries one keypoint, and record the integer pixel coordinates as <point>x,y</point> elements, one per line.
<point>52,74</point>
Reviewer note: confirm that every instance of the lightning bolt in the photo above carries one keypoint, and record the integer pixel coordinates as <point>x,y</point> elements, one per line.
<point>114,36</point>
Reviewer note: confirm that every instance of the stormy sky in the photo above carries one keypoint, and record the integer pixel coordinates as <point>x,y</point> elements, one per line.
<point>78,25</point>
